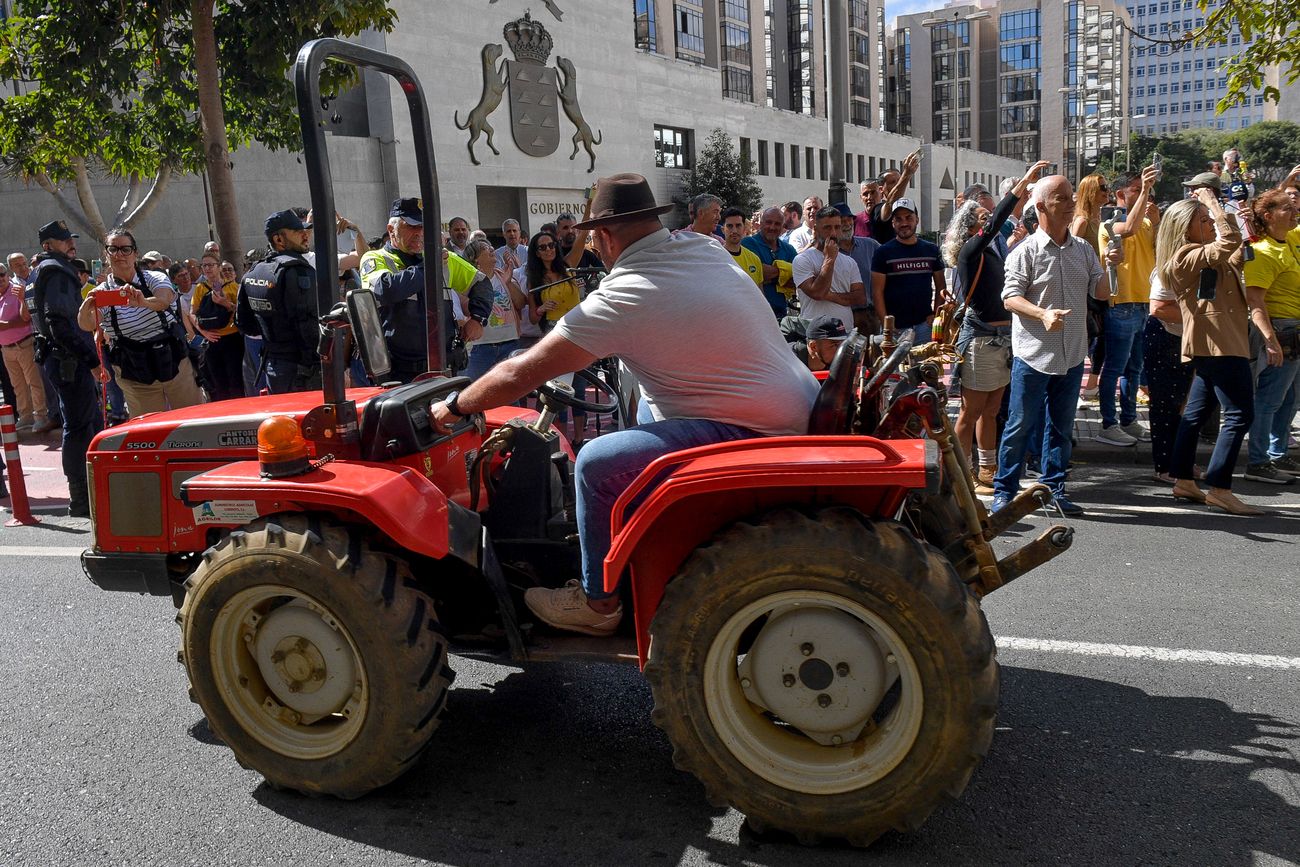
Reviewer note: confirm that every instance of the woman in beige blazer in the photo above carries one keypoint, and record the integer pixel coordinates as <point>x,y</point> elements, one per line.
<point>1198,257</point>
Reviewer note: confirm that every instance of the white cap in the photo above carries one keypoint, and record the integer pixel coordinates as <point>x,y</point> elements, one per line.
<point>904,203</point>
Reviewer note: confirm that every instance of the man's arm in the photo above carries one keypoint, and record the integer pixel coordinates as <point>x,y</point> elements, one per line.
<point>1133,218</point>
<point>818,286</point>
<point>904,178</point>
<point>513,378</point>
<point>855,297</point>
<point>878,294</point>
<point>580,243</point>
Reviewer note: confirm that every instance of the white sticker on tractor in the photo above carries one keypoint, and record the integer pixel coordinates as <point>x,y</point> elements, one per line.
<point>225,512</point>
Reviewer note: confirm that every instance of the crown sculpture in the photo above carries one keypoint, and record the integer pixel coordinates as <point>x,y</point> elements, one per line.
<point>528,40</point>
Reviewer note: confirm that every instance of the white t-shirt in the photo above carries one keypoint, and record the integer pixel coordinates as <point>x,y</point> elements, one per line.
<point>702,343</point>
<point>503,322</point>
<point>801,238</point>
<point>807,265</point>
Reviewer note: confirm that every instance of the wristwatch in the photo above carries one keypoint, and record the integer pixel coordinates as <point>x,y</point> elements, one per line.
<point>452,402</point>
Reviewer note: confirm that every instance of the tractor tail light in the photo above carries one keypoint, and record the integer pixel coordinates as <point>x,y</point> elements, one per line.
<point>281,448</point>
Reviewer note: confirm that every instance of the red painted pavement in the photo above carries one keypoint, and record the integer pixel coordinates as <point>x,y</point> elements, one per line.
<point>47,489</point>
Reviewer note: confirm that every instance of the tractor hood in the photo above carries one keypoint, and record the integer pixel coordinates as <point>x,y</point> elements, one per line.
<point>221,426</point>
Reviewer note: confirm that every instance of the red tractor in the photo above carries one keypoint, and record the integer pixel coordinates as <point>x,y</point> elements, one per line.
<point>806,609</point>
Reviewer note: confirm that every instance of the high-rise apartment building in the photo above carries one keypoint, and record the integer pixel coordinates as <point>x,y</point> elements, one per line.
<point>1175,85</point>
<point>1033,79</point>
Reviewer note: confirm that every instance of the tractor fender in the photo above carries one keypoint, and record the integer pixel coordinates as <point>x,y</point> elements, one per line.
<point>398,501</point>
<point>681,500</point>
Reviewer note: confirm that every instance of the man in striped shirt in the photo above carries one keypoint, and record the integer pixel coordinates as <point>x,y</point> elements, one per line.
<point>1048,278</point>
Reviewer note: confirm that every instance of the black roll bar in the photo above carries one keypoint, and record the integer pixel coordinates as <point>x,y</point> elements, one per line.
<point>311,113</point>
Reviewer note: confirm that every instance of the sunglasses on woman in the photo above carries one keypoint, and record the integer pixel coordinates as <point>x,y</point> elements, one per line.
<point>546,246</point>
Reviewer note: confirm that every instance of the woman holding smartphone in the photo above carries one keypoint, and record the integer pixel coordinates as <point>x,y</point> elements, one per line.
<point>1198,254</point>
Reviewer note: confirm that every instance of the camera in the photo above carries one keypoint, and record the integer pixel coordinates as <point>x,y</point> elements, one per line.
<point>111,297</point>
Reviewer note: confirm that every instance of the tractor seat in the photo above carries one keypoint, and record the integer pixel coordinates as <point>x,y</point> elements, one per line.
<point>836,405</point>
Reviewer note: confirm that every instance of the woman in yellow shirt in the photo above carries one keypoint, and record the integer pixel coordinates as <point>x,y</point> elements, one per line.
<point>1273,292</point>
<point>221,360</point>
<point>551,292</point>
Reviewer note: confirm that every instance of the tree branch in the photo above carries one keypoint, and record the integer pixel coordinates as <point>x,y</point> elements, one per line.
<point>69,210</point>
<point>86,196</point>
<point>151,198</point>
<point>128,200</point>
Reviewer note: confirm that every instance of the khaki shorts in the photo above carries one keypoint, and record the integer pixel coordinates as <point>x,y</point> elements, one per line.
<point>984,366</point>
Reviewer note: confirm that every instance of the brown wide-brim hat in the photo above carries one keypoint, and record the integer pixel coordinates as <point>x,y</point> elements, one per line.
<point>621,198</point>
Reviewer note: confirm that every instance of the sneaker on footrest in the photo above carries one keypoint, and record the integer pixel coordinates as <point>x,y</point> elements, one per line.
<point>566,608</point>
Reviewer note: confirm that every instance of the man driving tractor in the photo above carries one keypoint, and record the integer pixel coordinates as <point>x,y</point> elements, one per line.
<point>710,359</point>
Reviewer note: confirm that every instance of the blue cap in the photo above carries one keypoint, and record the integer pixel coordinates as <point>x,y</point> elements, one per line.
<point>410,210</point>
<point>281,220</point>
<point>844,209</point>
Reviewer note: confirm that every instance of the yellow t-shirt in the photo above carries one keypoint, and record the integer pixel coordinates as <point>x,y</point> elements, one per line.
<point>1134,272</point>
<point>230,290</point>
<point>747,260</point>
<point>1276,269</point>
<point>566,297</point>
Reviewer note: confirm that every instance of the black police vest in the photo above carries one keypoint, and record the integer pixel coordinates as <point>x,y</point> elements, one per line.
<point>281,293</point>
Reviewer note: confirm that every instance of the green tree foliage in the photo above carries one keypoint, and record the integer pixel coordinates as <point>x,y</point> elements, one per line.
<point>1269,33</point>
<point>111,88</point>
<point>1270,150</point>
<point>720,171</point>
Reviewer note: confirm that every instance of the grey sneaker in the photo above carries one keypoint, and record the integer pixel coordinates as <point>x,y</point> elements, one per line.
<point>1287,464</point>
<point>1268,474</point>
<point>1138,431</point>
<point>1114,435</point>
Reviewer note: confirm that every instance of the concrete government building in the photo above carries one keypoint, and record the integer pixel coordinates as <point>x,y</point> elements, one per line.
<point>567,91</point>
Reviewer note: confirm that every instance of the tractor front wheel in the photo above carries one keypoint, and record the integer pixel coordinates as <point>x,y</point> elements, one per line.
<point>316,659</point>
<point>827,675</point>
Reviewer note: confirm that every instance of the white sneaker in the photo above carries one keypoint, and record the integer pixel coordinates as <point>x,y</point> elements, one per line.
<point>1138,431</point>
<point>566,608</point>
<point>1114,435</point>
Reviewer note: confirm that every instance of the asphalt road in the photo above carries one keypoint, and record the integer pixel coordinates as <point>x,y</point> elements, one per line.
<point>1102,755</point>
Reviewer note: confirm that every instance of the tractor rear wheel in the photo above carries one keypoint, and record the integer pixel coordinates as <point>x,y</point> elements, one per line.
<point>827,675</point>
<point>316,659</point>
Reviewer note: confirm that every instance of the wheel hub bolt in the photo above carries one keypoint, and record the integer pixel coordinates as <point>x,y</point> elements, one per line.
<point>806,649</point>
<point>842,669</point>
<point>788,680</point>
<point>824,700</point>
<point>836,740</point>
<point>745,683</point>
<point>891,659</point>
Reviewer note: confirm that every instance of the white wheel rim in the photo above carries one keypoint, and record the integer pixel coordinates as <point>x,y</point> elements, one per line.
<point>786,757</point>
<point>268,699</point>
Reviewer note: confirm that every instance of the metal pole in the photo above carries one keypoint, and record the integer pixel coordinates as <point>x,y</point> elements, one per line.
<point>956,91</point>
<point>837,85</point>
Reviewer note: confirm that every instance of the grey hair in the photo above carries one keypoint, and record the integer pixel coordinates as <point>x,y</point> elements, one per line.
<point>393,221</point>
<point>508,223</point>
<point>478,235</point>
<point>475,248</point>
<point>958,232</point>
<point>1007,185</point>
<point>703,200</point>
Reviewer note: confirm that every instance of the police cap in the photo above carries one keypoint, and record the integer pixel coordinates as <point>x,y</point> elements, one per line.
<point>410,210</point>
<point>55,230</point>
<point>282,220</point>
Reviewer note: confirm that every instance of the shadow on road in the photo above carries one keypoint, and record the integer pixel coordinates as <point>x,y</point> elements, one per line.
<point>554,766</point>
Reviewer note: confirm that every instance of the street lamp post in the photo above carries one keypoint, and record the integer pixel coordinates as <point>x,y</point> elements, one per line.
<point>930,24</point>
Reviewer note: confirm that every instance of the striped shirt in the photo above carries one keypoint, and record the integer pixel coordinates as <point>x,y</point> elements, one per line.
<point>136,323</point>
<point>1057,277</point>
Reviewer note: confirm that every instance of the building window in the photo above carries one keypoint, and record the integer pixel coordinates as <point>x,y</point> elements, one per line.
<point>643,21</point>
<point>673,147</point>
<point>800,50</point>
<point>862,175</point>
<point>735,43</point>
<point>779,153</point>
<point>738,83</point>
<point>689,18</point>
<point>762,157</point>
<point>808,163</point>
<point>794,161</point>
<point>822,163</point>
<point>736,10</point>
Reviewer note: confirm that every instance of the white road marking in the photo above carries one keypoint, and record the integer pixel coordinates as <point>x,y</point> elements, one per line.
<point>39,551</point>
<point>1160,654</point>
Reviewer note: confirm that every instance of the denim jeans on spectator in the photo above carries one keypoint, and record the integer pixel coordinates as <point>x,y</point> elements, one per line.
<point>484,356</point>
<point>1220,381</point>
<point>253,364</point>
<point>1034,394</point>
<point>1170,379</point>
<point>1275,405</point>
<point>608,464</point>
<point>1123,365</point>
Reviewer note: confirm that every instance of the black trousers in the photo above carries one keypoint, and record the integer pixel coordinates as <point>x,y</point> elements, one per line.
<point>1168,379</point>
<point>79,403</point>
<point>222,367</point>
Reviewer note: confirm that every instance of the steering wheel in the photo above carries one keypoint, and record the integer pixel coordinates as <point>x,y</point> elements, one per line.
<point>563,393</point>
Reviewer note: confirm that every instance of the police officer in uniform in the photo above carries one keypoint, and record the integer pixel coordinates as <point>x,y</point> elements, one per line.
<point>395,273</point>
<point>66,354</point>
<point>277,302</point>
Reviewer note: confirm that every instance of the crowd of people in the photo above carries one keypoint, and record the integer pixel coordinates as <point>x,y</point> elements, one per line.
<point>1194,310</point>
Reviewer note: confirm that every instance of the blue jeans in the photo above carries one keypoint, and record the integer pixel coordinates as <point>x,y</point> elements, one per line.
<point>1123,365</point>
<point>1275,404</point>
<point>1220,381</point>
<point>1032,394</point>
<point>607,466</point>
<point>484,356</point>
<point>253,383</point>
<point>921,333</point>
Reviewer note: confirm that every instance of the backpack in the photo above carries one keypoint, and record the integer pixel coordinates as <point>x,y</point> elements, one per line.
<point>210,315</point>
